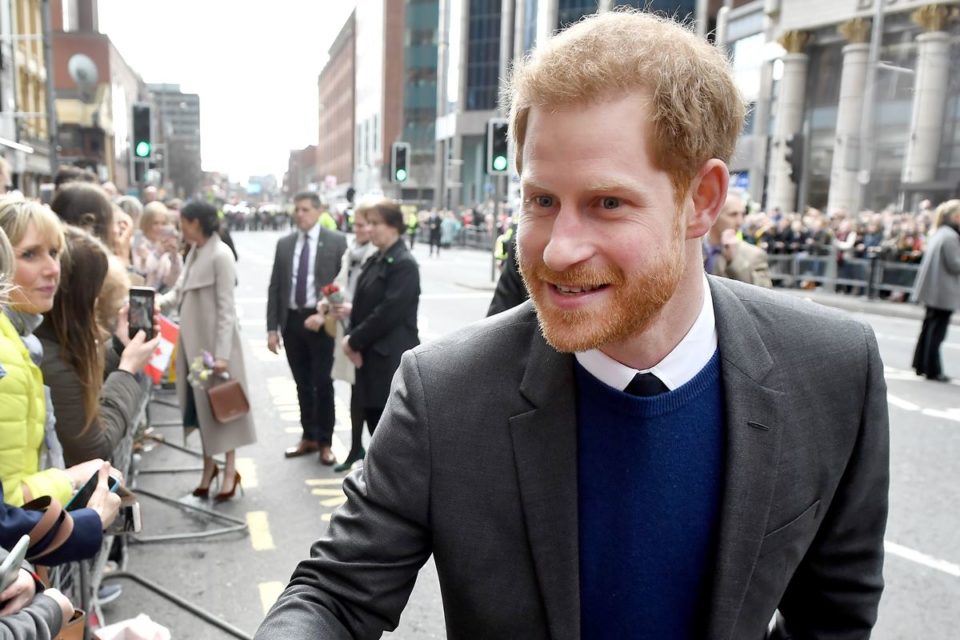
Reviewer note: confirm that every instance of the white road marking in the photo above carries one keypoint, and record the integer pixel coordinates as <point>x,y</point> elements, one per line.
<point>949,414</point>
<point>901,403</point>
<point>922,558</point>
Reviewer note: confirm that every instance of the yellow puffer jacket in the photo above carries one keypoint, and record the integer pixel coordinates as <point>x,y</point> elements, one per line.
<point>22,416</point>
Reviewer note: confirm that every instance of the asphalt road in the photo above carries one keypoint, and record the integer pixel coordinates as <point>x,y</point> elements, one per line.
<point>287,503</point>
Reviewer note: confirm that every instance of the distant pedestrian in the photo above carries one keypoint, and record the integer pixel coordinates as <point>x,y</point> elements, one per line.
<point>433,226</point>
<point>938,288</point>
<point>413,223</point>
<point>726,254</point>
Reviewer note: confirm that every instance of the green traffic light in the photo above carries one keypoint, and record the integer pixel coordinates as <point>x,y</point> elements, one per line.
<point>401,175</point>
<point>143,149</point>
<point>500,163</point>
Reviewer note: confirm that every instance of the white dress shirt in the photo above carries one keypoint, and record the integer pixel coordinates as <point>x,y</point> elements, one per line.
<point>677,368</point>
<point>313,237</point>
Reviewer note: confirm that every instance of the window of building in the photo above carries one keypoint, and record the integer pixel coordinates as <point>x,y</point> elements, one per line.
<point>483,55</point>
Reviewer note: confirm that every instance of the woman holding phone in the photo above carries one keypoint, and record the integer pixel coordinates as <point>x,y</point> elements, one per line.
<point>87,523</point>
<point>204,294</point>
<point>93,414</point>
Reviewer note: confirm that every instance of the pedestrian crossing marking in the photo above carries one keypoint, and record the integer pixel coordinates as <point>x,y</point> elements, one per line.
<point>326,517</point>
<point>293,430</point>
<point>259,528</point>
<point>321,481</point>
<point>248,471</point>
<point>290,416</point>
<point>269,593</point>
<point>334,502</point>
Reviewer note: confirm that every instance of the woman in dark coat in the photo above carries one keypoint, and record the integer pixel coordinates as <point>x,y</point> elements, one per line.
<point>383,317</point>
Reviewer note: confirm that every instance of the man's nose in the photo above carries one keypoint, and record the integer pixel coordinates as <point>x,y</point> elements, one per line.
<point>569,242</point>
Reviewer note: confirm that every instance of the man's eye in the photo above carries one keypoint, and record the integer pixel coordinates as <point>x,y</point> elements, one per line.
<point>543,201</point>
<point>610,203</point>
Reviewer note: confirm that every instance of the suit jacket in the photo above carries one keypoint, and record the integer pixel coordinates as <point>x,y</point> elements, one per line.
<point>750,265</point>
<point>487,483</point>
<point>327,256</point>
<point>938,281</point>
<point>383,321</point>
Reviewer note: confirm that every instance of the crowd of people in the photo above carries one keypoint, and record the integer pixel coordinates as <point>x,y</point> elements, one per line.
<point>72,382</point>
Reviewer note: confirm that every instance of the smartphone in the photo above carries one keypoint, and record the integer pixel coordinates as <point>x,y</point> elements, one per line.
<point>82,496</point>
<point>128,519</point>
<point>11,564</point>
<point>140,313</point>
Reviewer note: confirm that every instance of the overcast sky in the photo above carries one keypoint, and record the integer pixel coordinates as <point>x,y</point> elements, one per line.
<point>254,64</point>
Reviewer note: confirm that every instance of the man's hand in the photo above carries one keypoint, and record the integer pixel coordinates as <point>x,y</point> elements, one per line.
<point>354,356</point>
<point>273,342</point>
<point>314,322</point>
<point>19,594</point>
<point>103,501</point>
<point>730,243</point>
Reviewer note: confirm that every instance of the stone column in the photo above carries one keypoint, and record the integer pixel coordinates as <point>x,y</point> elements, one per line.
<point>789,118</point>
<point>930,95</point>
<point>844,187</point>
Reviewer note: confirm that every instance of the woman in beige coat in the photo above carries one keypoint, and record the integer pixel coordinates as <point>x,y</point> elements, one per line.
<point>208,322</point>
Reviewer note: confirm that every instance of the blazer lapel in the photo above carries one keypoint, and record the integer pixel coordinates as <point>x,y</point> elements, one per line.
<point>752,455</point>
<point>545,450</point>
<point>199,265</point>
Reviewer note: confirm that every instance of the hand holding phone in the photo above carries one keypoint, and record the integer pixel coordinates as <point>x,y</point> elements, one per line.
<point>84,494</point>
<point>140,311</point>
<point>10,567</point>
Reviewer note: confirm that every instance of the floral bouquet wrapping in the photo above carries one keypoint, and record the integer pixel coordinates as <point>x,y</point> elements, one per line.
<point>334,296</point>
<point>201,374</point>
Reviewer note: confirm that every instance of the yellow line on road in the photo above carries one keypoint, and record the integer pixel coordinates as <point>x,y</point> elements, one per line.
<point>316,481</point>
<point>325,516</point>
<point>269,592</point>
<point>260,536</point>
<point>248,472</point>
<point>326,492</point>
<point>333,502</point>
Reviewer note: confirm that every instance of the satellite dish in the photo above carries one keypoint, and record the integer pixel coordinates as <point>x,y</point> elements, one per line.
<point>83,70</point>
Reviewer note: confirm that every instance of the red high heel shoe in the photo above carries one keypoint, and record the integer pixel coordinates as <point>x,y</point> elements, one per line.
<point>223,496</point>
<point>203,492</point>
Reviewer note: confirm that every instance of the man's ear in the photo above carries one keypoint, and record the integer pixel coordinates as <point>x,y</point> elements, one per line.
<point>708,192</point>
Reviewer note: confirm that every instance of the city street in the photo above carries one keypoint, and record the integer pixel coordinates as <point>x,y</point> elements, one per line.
<point>287,503</point>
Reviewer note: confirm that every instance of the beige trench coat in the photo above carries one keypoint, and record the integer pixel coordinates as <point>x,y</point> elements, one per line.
<point>208,322</point>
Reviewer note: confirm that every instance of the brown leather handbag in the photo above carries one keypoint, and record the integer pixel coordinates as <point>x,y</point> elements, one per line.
<point>228,401</point>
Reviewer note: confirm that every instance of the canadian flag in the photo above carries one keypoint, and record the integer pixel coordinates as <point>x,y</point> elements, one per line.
<point>169,332</point>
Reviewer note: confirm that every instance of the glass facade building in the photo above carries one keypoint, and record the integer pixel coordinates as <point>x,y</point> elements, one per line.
<point>420,86</point>
<point>483,55</point>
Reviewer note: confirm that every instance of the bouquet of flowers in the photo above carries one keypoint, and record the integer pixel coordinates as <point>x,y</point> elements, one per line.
<point>334,297</point>
<point>201,375</point>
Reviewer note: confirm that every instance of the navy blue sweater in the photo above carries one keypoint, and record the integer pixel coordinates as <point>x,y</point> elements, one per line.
<point>650,476</point>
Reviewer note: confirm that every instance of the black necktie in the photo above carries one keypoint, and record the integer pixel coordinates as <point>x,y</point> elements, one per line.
<point>300,294</point>
<point>645,384</point>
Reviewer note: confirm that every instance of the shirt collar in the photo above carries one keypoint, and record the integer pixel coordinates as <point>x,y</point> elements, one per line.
<point>313,232</point>
<point>677,368</point>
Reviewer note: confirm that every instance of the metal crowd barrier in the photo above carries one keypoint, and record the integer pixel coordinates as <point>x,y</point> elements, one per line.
<point>81,581</point>
<point>867,276</point>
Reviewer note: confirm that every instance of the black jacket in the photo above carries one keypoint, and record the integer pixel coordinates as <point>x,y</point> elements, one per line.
<point>383,323</point>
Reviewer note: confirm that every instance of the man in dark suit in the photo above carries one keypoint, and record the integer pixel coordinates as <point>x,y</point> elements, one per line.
<point>657,453</point>
<point>306,261</point>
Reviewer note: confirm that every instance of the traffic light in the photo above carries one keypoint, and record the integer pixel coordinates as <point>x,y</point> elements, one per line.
<point>794,156</point>
<point>142,143</point>
<point>399,159</point>
<point>497,147</point>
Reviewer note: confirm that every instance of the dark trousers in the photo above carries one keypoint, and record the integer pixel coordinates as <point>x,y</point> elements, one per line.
<point>310,354</point>
<point>358,416</point>
<point>435,242</point>
<point>926,357</point>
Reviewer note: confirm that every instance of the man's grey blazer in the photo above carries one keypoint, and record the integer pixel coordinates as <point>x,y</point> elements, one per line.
<point>328,256</point>
<point>475,461</point>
